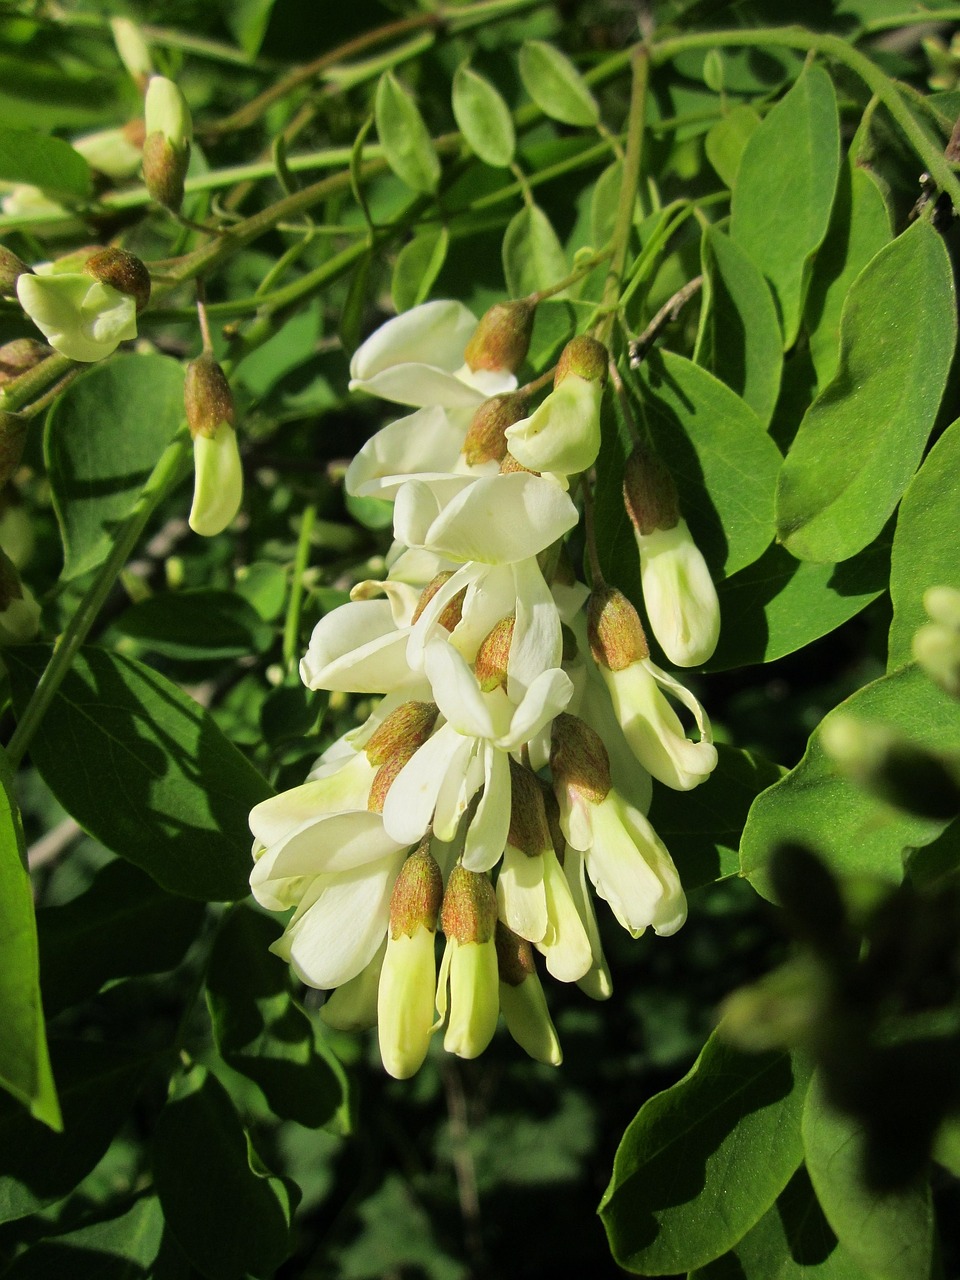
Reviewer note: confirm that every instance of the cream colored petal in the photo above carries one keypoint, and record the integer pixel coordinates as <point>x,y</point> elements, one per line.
<point>428,441</point>
<point>434,333</point>
<point>218,481</point>
<point>679,595</point>
<point>522,894</point>
<point>405,1002</point>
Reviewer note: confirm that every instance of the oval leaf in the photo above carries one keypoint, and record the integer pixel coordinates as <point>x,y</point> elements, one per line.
<point>784,190</point>
<point>726,141</point>
<point>533,256</point>
<point>555,85</point>
<point>862,438</point>
<point>702,1162</point>
<point>197,625</point>
<point>417,267</point>
<point>40,161</point>
<point>102,439</point>
<point>483,118</point>
<point>147,771</point>
<point>405,138</point>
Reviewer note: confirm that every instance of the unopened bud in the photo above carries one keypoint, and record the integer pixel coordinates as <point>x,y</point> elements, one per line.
<point>578,759</point>
<point>529,831</point>
<point>493,655</point>
<point>123,271</point>
<point>417,894</point>
<point>485,440</point>
<point>21,355</point>
<point>584,356</point>
<point>11,269</point>
<point>514,956</point>
<point>207,399</point>
<point>13,437</point>
<point>469,912</point>
<point>900,772</point>
<point>452,611</point>
<point>943,606</point>
<point>522,1001</point>
<point>166,147</point>
<point>502,337</point>
<point>133,50</point>
<point>649,493</point>
<point>936,648</point>
<point>616,634</point>
<point>404,731</point>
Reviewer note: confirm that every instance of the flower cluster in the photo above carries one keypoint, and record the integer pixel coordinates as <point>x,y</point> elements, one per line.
<point>508,763</point>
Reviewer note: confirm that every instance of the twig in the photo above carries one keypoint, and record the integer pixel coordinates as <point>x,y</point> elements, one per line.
<point>667,314</point>
<point>464,1169</point>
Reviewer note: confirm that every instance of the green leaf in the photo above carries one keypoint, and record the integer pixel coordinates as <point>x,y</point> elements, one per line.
<point>784,189</point>
<point>230,1219</point>
<point>555,85</point>
<point>259,1028</point>
<point>726,141</point>
<point>103,438</point>
<point>533,256</point>
<point>702,1162</point>
<point>122,924</point>
<point>247,21</point>
<point>196,625</point>
<point>24,1060</point>
<point>289,347</point>
<point>702,828</point>
<point>48,163</point>
<point>404,136</point>
<point>263,585</point>
<point>852,831</point>
<point>118,1248</point>
<point>145,770</point>
<point>98,1084</point>
<point>778,604</point>
<point>603,204</point>
<point>862,438</point>
<point>889,1234</point>
<point>925,544</point>
<point>483,118</point>
<point>792,1241</point>
<point>739,335</point>
<point>417,267</point>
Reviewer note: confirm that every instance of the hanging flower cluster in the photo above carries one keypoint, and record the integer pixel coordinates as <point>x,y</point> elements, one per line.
<point>509,761</point>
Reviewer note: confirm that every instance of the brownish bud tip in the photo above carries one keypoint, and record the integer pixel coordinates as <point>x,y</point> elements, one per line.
<point>529,831</point>
<point>584,356</point>
<point>578,759</point>
<point>206,397</point>
<point>21,355</point>
<point>135,132</point>
<point>614,628</point>
<point>502,337</point>
<point>164,169</point>
<point>514,956</point>
<point>509,464</point>
<point>649,492</point>
<point>485,440</point>
<point>403,731</point>
<point>122,271</point>
<point>469,912</point>
<point>417,894</point>
<point>11,269</point>
<point>452,612</point>
<point>493,655</point>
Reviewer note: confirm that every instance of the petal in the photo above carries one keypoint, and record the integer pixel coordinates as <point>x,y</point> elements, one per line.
<point>412,799</point>
<point>420,385</point>
<point>405,1002</point>
<point>537,644</point>
<point>596,981</point>
<point>108,316</point>
<point>474,997</point>
<point>427,441</point>
<point>528,1020</point>
<point>54,305</point>
<point>521,894</point>
<point>652,727</point>
<point>487,834</point>
<point>357,649</point>
<point>435,333</point>
<point>463,779</point>
<point>456,691</point>
<point>345,787</point>
<point>333,842</point>
<point>566,947</point>
<point>563,433</point>
<point>632,870</point>
<point>218,481</point>
<point>353,1006</point>
<point>546,698</point>
<point>679,595</point>
<point>418,506</point>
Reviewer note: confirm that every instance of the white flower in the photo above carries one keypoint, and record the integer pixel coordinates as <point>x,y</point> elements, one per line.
<point>80,317</point>
<point>679,595</point>
<point>562,435</point>
<point>426,445</point>
<point>218,481</point>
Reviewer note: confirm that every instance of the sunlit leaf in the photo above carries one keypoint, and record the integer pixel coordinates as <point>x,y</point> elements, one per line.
<point>405,138</point>
<point>555,85</point>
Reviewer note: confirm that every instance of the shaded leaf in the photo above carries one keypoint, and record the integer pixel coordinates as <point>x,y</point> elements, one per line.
<point>404,136</point>
<point>417,267</point>
<point>727,139</point>
<point>555,85</point>
<point>41,161</point>
<point>483,117</point>
<point>533,256</point>
<point>196,625</point>
<point>117,1248</point>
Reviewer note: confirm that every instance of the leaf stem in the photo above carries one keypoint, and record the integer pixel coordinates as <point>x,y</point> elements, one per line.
<point>168,472</point>
<point>20,391</point>
<point>291,623</point>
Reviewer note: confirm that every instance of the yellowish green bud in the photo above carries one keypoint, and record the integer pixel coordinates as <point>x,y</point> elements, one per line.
<point>123,271</point>
<point>133,50</point>
<point>493,655</point>
<point>649,493</point>
<point>502,337</point>
<point>485,440</point>
<point>207,399</point>
<point>166,147</point>
<point>616,634</point>
<point>578,759</point>
<point>522,1001</point>
<point>585,357</point>
<point>469,912</point>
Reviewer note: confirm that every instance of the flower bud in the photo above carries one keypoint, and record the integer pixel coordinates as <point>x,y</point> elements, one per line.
<point>892,768</point>
<point>584,357</point>
<point>502,337</point>
<point>166,148</point>
<point>936,648</point>
<point>469,968</point>
<point>649,492</point>
<point>614,629</point>
<point>218,471</point>
<point>469,910</point>
<point>13,437</point>
<point>133,50</point>
<point>81,317</point>
<point>493,656</point>
<point>943,606</point>
<point>522,1000</point>
<point>485,440</point>
<point>19,611</point>
<point>529,831</point>
<point>452,612</point>
<point>404,731</point>
<point>578,759</point>
<point>122,271</point>
<point>118,153</point>
<point>20,356</point>
<point>207,398</point>
<point>11,269</point>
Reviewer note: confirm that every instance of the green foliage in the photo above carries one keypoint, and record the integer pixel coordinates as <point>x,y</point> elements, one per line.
<point>44,162</point>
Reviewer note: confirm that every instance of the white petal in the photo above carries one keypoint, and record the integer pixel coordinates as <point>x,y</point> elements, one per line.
<point>334,842</point>
<point>435,333</point>
<point>501,519</point>
<point>487,834</point>
<point>456,691</point>
<point>537,644</point>
<point>546,698</point>
<point>427,441</point>
<point>563,433</point>
<point>521,894</point>
<point>357,649</point>
<point>463,779</point>
<point>418,384</point>
<point>411,800</point>
<point>652,727</point>
<point>344,787</point>
<point>679,595</point>
<point>632,870</point>
<point>566,948</point>
<point>596,981</point>
<point>218,481</point>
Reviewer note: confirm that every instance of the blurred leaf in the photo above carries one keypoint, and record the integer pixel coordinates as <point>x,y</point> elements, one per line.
<point>146,772</point>
<point>122,925</point>
<point>290,346</point>
<point>555,85</point>
<point>259,1029</point>
<point>739,336</point>
<point>702,828</point>
<point>24,1059</point>
<point>889,1234</point>
<point>603,204</point>
<point>533,256</point>
<point>41,161</point>
<point>196,624</point>
<point>229,1218</point>
<point>483,117</point>
<point>417,267</point>
<point>118,1248</point>
<point>853,832</point>
<point>97,1084</point>
<point>263,585</point>
<point>778,604</point>
<point>247,21</point>
<point>862,438</point>
<point>405,138</point>
<point>792,1241</point>
<point>703,1161</point>
<point>727,139</point>
<point>103,437</point>
<point>784,190</point>
<point>925,544</point>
